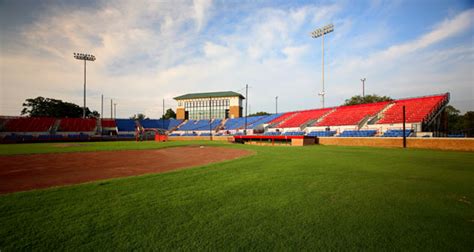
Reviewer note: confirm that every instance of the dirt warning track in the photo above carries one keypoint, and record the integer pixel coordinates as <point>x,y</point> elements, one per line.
<point>34,171</point>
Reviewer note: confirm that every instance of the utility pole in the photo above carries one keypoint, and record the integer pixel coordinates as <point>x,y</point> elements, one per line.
<point>210,118</point>
<point>363,87</point>
<point>111,109</point>
<point>102,107</point>
<point>246,102</point>
<point>404,135</point>
<point>276,104</point>
<point>163,117</point>
<point>320,32</point>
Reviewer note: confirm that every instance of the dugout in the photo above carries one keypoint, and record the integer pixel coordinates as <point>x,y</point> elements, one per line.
<point>276,140</point>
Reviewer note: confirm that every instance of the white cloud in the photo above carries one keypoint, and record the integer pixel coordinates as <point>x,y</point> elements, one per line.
<point>149,51</point>
<point>201,8</point>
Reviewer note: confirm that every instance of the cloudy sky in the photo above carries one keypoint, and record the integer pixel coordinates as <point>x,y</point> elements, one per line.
<point>150,50</point>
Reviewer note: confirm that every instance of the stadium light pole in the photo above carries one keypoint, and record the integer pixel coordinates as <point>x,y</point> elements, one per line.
<point>163,116</point>
<point>84,57</point>
<point>111,109</point>
<point>246,102</point>
<point>363,87</point>
<point>102,107</point>
<point>276,104</point>
<point>210,118</point>
<point>320,32</point>
<point>404,128</point>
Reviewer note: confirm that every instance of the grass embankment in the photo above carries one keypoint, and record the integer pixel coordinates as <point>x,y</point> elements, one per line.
<point>324,197</point>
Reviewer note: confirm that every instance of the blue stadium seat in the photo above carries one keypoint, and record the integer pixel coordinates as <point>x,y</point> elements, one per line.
<point>200,125</point>
<point>126,136</point>
<point>322,133</point>
<point>272,133</point>
<point>396,133</point>
<point>294,133</point>
<point>125,124</point>
<point>358,133</point>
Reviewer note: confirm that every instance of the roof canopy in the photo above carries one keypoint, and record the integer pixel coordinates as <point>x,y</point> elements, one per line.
<point>209,95</point>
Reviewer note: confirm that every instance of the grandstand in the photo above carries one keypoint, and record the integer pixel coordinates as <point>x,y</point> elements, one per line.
<point>160,124</point>
<point>424,117</point>
<point>29,124</point>
<point>108,123</point>
<point>351,115</point>
<point>417,109</point>
<point>77,125</point>
<point>299,119</point>
<point>200,125</point>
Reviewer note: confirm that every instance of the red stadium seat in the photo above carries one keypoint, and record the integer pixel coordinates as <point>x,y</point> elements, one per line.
<point>29,124</point>
<point>303,117</point>
<point>282,118</point>
<point>416,109</point>
<point>351,115</point>
<point>108,123</point>
<point>77,125</point>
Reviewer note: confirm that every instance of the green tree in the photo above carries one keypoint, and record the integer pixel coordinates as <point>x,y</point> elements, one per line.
<point>259,114</point>
<point>169,114</point>
<point>468,123</point>
<point>48,107</point>
<point>354,100</point>
<point>455,119</point>
<point>139,117</point>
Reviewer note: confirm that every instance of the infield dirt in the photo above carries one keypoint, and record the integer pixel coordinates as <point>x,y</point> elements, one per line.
<point>34,171</point>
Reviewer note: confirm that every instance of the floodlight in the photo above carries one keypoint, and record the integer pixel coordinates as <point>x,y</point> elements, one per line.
<point>85,57</point>
<point>320,32</point>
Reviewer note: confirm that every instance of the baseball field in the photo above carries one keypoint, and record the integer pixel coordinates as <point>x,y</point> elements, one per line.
<point>221,196</point>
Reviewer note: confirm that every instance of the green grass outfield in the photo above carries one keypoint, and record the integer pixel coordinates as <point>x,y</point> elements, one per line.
<point>281,198</point>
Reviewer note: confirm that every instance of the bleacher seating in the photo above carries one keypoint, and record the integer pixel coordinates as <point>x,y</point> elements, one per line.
<point>189,134</point>
<point>325,133</point>
<point>154,124</point>
<point>125,124</point>
<point>77,124</point>
<point>239,123</point>
<point>126,136</point>
<point>78,136</point>
<point>173,123</point>
<point>29,124</point>
<point>303,117</point>
<point>358,133</point>
<point>167,124</point>
<point>293,133</point>
<point>396,133</point>
<point>272,133</point>
<point>351,115</point>
<point>281,118</point>
<point>108,123</point>
<point>264,120</point>
<point>200,125</point>
<point>416,109</point>
<point>175,134</point>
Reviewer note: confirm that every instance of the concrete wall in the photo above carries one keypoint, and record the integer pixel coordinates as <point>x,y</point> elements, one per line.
<point>180,113</point>
<point>460,144</point>
<point>234,112</point>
